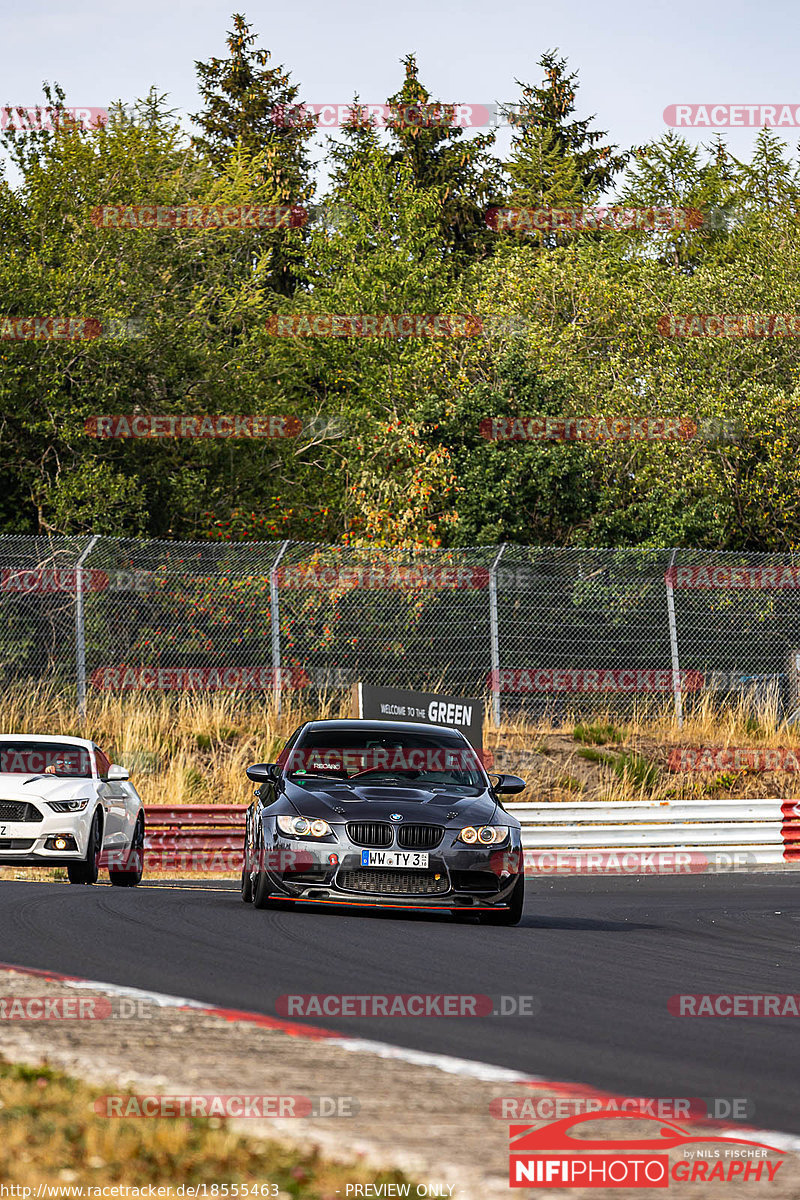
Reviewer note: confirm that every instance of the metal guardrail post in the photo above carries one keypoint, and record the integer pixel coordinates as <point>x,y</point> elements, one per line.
<point>494,636</point>
<point>80,630</point>
<point>275,626</point>
<point>673,642</point>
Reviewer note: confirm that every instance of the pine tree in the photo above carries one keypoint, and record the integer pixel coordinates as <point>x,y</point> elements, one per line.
<point>468,178</point>
<point>556,160</point>
<point>671,174</point>
<point>251,105</point>
<point>769,183</point>
<point>252,114</point>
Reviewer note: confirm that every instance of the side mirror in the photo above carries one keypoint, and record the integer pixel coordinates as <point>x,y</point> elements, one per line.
<point>263,772</point>
<point>117,774</point>
<point>508,785</point>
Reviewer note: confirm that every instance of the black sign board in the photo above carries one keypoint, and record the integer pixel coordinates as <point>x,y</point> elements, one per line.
<point>464,713</point>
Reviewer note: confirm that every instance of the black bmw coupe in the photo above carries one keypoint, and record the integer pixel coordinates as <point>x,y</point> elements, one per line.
<point>383,814</point>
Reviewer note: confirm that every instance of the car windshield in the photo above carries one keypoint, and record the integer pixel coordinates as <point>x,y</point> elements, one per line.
<point>384,757</point>
<point>44,758</point>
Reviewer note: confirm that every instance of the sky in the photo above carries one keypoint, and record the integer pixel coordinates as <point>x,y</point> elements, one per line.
<point>633,59</point>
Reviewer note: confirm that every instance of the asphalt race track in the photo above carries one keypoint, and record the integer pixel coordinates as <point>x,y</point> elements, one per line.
<point>601,956</point>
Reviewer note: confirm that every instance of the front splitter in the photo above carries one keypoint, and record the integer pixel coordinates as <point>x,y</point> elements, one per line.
<point>345,903</point>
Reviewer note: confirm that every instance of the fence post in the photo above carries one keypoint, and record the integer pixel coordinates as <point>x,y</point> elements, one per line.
<point>494,636</point>
<point>80,629</point>
<point>275,625</point>
<point>673,642</point>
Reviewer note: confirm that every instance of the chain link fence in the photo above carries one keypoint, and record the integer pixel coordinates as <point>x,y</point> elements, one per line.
<point>562,632</point>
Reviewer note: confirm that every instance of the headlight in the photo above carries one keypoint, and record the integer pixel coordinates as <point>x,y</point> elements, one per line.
<point>303,827</point>
<point>67,805</point>
<point>483,835</point>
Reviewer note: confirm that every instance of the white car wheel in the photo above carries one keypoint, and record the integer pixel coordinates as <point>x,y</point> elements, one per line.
<point>86,870</point>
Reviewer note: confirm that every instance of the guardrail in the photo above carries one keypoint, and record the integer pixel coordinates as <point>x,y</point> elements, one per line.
<point>740,832</point>
<point>198,837</point>
<point>562,837</point>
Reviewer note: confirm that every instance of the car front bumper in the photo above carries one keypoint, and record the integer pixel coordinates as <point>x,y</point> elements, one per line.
<point>24,843</point>
<point>458,877</point>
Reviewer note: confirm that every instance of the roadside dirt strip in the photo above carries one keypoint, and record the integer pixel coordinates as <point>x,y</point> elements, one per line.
<point>429,1115</point>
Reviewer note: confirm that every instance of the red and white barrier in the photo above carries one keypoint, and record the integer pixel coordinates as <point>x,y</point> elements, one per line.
<point>699,835</point>
<point>634,837</point>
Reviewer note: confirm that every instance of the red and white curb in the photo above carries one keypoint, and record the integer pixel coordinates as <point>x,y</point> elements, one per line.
<point>449,1064</point>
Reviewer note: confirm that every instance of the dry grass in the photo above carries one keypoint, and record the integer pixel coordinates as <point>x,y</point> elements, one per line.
<point>190,750</point>
<point>50,1134</point>
<point>193,749</point>
<point>627,760</point>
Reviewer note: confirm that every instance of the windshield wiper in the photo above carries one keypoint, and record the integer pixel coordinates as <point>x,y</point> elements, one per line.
<point>295,775</point>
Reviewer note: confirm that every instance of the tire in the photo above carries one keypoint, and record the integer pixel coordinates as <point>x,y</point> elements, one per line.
<point>85,871</point>
<point>247,882</point>
<point>261,891</point>
<point>511,915</point>
<point>131,876</point>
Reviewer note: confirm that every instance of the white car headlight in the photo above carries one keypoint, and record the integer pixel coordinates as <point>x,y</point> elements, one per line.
<point>483,835</point>
<point>67,805</point>
<point>304,827</point>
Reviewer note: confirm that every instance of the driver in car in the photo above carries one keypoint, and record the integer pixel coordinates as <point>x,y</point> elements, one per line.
<point>64,764</point>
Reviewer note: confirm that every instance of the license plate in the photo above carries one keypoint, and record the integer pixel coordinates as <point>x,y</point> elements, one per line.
<point>394,858</point>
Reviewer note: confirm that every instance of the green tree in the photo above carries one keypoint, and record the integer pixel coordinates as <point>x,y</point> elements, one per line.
<point>251,109</point>
<point>423,135</point>
<point>179,309</point>
<point>254,106</point>
<point>702,193</point>
<point>554,160</point>
<point>391,485</point>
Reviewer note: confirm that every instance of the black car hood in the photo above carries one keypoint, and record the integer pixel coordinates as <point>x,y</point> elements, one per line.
<point>362,802</point>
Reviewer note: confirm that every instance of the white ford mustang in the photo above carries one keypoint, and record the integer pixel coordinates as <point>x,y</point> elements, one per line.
<point>62,803</point>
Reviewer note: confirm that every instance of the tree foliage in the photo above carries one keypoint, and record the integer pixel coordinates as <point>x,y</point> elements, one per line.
<point>392,446</point>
